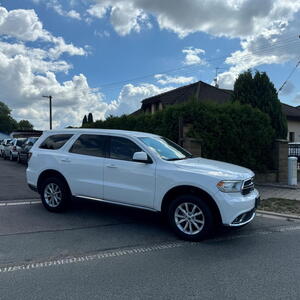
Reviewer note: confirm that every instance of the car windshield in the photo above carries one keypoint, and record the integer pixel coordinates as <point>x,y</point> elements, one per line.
<point>165,148</point>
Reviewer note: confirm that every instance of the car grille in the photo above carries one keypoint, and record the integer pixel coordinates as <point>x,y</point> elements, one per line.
<point>248,186</point>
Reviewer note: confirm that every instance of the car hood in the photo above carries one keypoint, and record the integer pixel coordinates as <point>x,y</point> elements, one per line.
<point>215,168</point>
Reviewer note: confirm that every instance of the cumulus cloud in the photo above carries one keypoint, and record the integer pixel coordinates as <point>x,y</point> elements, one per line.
<point>27,73</point>
<point>131,96</point>
<point>228,18</point>
<point>192,56</point>
<point>125,17</point>
<point>165,79</point>
<point>22,24</point>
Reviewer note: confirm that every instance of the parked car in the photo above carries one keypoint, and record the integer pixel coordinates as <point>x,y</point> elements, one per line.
<point>11,149</point>
<point>145,171</point>
<point>25,148</point>
<point>3,144</point>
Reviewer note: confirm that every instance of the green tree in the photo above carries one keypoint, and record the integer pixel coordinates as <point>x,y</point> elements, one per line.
<point>84,121</point>
<point>25,125</point>
<point>90,118</point>
<point>259,92</point>
<point>7,123</point>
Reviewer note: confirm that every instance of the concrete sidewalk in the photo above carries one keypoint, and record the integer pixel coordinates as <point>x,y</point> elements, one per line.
<point>267,192</point>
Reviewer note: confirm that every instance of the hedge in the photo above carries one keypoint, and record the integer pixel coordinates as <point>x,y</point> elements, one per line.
<point>228,132</point>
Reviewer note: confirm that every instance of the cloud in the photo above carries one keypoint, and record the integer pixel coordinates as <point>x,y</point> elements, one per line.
<point>130,97</point>
<point>28,72</point>
<point>21,24</point>
<point>221,18</point>
<point>57,7</point>
<point>192,56</point>
<point>165,79</point>
<point>125,17</point>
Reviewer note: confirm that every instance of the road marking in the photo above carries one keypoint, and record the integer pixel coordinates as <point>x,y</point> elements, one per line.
<point>85,258</point>
<point>133,251</point>
<point>14,203</point>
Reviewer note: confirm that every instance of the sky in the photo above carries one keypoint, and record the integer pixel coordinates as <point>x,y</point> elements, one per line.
<point>106,56</point>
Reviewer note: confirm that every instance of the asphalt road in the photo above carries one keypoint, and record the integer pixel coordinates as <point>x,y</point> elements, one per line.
<point>98,251</point>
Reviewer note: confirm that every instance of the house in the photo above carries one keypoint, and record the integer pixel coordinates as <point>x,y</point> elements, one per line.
<point>203,92</point>
<point>292,114</point>
<point>199,91</point>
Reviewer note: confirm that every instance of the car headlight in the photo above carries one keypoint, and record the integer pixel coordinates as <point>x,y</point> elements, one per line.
<point>230,186</point>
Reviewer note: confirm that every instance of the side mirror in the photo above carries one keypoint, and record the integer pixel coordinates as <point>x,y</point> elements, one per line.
<point>140,157</point>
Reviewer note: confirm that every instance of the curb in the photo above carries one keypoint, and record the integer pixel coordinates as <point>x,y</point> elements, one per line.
<point>275,214</point>
<point>283,186</point>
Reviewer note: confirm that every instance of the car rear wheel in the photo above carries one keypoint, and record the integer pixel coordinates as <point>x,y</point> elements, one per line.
<point>55,194</point>
<point>191,218</point>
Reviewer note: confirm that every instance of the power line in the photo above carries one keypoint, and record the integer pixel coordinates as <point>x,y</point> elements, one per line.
<point>290,75</point>
<point>262,50</point>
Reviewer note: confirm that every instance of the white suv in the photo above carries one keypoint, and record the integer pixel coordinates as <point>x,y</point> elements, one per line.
<point>141,170</point>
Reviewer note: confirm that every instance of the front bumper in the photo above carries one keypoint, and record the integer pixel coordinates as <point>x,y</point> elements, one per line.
<point>237,209</point>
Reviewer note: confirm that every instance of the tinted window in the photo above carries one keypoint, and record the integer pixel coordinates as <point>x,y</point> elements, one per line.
<point>122,148</point>
<point>90,144</point>
<point>20,142</point>
<point>55,142</point>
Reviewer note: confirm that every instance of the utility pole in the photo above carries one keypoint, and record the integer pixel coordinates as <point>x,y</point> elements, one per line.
<point>50,109</point>
<point>216,78</point>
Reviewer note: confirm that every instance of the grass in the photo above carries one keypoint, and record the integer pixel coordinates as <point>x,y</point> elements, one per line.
<point>284,206</point>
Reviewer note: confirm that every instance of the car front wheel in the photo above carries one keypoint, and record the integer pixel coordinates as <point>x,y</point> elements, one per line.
<point>191,218</point>
<point>55,194</point>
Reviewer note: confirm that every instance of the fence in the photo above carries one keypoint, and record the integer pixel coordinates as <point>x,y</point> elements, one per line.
<point>294,150</point>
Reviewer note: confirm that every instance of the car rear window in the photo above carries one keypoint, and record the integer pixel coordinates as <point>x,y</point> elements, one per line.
<point>90,144</point>
<point>55,142</point>
<point>20,142</point>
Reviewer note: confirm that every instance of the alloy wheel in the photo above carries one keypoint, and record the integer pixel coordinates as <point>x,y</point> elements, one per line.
<point>53,195</point>
<point>189,218</point>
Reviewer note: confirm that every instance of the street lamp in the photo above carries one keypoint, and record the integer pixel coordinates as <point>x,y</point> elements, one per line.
<point>50,109</point>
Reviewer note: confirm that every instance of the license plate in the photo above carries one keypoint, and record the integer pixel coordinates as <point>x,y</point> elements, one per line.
<point>257,202</point>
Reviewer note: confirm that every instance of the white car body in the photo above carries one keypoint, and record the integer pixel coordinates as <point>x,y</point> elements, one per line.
<point>138,184</point>
<point>12,148</point>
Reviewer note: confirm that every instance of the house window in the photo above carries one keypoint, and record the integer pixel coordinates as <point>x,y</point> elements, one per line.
<point>291,137</point>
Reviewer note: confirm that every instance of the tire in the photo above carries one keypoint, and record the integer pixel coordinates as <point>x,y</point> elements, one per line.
<point>185,225</point>
<point>59,201</point>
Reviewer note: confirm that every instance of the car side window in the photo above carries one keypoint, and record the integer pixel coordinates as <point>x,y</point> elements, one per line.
<point>55,142</point>
<point>122,148</point>
<point>90,144</point>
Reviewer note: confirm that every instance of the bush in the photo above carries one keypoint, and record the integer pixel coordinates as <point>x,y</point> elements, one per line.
<point>230,132</point>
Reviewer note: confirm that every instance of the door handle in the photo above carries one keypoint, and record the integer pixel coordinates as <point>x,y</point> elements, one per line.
<point>111,166</point>
<point>66,160</point>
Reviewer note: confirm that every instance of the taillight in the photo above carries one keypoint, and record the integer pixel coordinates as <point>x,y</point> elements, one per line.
<point>29,155</point>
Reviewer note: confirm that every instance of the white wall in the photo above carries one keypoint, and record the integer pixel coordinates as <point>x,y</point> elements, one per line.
<point>294,126</point>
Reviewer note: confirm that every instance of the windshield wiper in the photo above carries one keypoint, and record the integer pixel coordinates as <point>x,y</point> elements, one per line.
<point>176,158</point>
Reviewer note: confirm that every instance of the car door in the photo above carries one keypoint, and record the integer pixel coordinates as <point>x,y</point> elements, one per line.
<point>83,165</point>
<point>126,181</point>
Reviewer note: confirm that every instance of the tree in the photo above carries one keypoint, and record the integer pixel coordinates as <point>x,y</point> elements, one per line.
<point>7,123</point>
<point>84,121</point>
<point>259,91</point>
<point>25,125</point>
<point>90,118</point>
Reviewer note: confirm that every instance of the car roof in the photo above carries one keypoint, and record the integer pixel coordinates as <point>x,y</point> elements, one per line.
<point>103,131</point>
